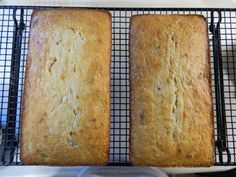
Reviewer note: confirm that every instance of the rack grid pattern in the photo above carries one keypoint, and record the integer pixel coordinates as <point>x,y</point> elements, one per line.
<point>14,34</point>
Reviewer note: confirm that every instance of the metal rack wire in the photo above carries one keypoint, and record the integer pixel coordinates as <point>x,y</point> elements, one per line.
<point>14,23</point>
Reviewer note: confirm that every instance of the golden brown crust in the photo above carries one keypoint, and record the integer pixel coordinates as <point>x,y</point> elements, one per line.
<point>171,101</point>
<point>66,101</point>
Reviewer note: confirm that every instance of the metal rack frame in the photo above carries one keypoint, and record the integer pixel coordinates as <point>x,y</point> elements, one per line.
<point>14,23</point>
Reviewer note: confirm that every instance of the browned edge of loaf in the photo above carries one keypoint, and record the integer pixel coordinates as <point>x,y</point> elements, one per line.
<point>209,82</point>
<point>29,59</point>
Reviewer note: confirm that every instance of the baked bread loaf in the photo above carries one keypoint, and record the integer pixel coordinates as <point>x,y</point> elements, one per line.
<point>171,102</point>
<point>66,100</point>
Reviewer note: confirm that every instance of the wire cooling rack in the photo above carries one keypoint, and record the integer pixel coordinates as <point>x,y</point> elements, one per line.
<point>14,23</point>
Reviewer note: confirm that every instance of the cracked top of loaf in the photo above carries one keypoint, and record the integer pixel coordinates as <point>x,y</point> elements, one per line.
<point>171,102</point>
<point>66,101</point>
